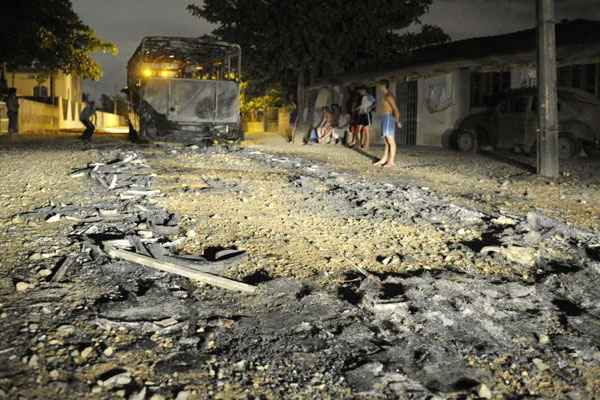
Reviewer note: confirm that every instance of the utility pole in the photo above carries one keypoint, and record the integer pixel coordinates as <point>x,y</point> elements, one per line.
<point>548,147</point>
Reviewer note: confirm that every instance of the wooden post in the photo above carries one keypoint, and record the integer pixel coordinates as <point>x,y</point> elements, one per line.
<point>186,271</point>
<point>548,146</point>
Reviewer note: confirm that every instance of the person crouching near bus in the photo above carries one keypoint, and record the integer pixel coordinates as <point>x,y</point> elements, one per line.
<point>389,122</point>
<point>85,117</point>
<point>12,109</point>
<point>367,104</point>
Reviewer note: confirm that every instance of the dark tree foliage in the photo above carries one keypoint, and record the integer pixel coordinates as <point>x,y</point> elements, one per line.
<point>107,103</point>
<point>48,35</point>
<point>287,40</point>
<point>113,104</point>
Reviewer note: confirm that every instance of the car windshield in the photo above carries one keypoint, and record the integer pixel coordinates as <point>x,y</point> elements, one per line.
<point>514,105</point>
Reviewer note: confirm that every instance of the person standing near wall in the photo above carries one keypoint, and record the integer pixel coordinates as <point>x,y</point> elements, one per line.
<point>365,108</point>
<point>12,109</point>
<point>293,121</point>
<point>85,117</point>
<point>353,133</point>
<point>391,119</point>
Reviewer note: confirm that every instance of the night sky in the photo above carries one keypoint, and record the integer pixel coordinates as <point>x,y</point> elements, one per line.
<point>125,22</point>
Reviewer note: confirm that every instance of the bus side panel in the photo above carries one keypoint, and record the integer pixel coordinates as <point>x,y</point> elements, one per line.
<point>156,95</point>
<point>228,102</point>
<point>192,101</point>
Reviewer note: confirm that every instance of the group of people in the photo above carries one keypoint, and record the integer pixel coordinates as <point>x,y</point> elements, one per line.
<point>329,126</point>
<point>352,126</point>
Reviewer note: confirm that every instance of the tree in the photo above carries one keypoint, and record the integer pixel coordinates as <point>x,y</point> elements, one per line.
<point>251,106</point>
<point>115,104</point>
<point>48,36</point>
<point>107,103</point>
<point>296,40</point>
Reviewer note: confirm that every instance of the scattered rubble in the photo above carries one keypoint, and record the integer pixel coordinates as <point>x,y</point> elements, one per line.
<point>107,316</point>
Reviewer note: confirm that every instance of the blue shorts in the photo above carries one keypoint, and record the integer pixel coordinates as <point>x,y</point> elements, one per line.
<point>388,125</point>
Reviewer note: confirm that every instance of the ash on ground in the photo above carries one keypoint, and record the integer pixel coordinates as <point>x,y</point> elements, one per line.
<point>365,288</point>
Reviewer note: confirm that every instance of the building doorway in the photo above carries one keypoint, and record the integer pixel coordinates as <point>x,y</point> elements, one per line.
<point>407,97</point>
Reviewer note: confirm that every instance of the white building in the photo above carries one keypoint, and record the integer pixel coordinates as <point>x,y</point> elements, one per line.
<point>438,86</point>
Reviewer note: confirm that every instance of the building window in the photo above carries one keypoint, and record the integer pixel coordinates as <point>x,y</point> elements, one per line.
<point>585,77</point>
<point>40,91</point>
<point>486,86</point>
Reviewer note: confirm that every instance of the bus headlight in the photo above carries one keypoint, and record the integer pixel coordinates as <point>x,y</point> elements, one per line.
<point>147,73</point>
<point>165,73</point>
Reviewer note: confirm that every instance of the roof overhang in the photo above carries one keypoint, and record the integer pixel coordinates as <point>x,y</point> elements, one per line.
<point>566,55</point>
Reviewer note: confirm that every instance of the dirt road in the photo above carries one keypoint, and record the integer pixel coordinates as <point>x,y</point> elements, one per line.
<point>451,277</point>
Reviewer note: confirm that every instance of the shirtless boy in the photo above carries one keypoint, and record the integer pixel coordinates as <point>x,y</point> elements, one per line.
<point>391,119</point>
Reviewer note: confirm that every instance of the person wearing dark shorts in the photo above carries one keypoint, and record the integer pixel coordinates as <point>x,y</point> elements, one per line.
<point>364,117</point>
<point>354,120</point>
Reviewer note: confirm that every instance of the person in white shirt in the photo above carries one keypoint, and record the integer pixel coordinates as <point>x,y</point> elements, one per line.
<point>342,127</point>
<point>367,104</point>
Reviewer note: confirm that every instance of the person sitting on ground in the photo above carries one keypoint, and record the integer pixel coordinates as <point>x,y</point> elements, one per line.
<point>85,117</point>
<point>341,131</point>
<point>312,136</point>
<point>12,109</point>
<point>391,119</point>
<point>325,128</point>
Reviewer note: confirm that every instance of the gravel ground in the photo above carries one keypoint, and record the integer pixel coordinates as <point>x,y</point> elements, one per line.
<point>435,279</point>
<point>492,182</point>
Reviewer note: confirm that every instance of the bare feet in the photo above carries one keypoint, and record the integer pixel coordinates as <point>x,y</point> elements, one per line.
<point>380,163</point>
<point>389,165</point>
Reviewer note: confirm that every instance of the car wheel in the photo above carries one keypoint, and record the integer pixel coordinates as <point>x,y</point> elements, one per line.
<point>465,141</point>
<point>591,149</point>
<point>568,146</point>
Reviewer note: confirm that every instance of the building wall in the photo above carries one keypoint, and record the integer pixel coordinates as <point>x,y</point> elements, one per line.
<point>3,118</point>
<point>434,128</point>
<point>25,82</point>
<point>36,117</point>
<point>65,86</point>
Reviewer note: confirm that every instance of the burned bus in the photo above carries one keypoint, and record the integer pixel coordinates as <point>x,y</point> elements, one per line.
<point>184,86</point>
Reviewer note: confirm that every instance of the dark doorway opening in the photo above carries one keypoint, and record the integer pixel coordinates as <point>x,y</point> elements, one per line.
<point>407,97</point>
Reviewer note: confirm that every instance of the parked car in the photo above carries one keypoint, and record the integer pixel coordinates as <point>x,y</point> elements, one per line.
<point>513,122</point>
